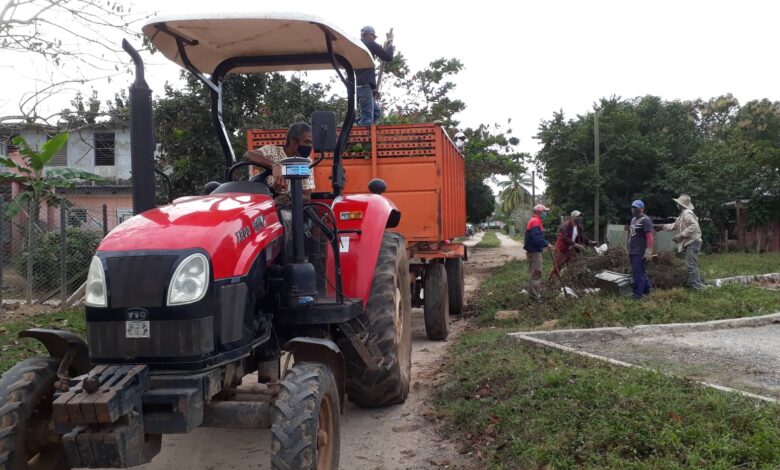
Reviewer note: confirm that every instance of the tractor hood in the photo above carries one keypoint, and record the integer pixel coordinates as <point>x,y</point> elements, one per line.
<point>231,227</point>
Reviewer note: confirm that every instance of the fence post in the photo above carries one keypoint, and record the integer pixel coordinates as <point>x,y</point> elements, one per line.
<point>63,255</point>
<point>2,248</point>
<point>30,248</point>
<point>105,220</point>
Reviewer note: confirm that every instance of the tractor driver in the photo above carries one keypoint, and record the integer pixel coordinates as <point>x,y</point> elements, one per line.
<point>298,144</point>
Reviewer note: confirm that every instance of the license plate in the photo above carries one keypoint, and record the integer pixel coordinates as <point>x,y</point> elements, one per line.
<point>136,329</point>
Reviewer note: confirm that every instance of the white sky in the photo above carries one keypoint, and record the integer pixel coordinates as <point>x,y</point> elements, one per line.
<point>524,60</point>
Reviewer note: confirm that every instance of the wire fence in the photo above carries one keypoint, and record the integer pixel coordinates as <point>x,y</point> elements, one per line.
<point>45,257</point>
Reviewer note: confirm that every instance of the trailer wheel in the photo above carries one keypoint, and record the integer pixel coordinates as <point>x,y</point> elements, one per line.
<point>436,299</point>
<point>455,281</point>
<point>26,438</point>
<point>389,314</point>
<point>305,433</point>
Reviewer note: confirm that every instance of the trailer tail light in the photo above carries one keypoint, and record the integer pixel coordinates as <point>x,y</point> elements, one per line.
<point>351,215</point>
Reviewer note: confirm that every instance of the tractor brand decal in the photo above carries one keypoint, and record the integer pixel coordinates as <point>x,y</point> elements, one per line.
<point>243,234</point>
<point>258,223</point>
<point>136,314</point>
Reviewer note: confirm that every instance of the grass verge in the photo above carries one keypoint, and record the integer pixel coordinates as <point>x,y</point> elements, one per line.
<point>516,406</point>
<point>14,349</point>
<point>502,291</point>
<point>489,240</point>
<point>718,266</point>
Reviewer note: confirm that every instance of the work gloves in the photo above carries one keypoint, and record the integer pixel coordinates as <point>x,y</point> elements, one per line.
<point>677,238</point>
<point>648,254</point>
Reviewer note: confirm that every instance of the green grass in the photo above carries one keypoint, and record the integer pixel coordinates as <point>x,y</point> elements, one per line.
<point>489,240</point>
<point>718,266</point>
<point>502,291</point>
<point>522,407</point>
<point>519,406</point>
<point>14,349</point>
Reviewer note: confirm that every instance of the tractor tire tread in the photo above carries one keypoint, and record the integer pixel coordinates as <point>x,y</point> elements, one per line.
<point>294,427</point>
<point>389,384</point>
<point>20,387</point>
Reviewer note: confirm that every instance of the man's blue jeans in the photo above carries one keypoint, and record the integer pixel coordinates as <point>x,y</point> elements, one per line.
<point>639,276</point>
<point>369,110</point>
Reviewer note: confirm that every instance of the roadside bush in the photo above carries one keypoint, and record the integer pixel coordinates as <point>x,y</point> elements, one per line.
<point>46,258</point>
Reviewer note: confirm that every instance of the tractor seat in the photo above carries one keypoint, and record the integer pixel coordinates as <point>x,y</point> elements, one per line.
<point>247,187</point>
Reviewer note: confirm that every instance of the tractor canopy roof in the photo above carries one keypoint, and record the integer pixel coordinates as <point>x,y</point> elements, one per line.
<point>212,39</point>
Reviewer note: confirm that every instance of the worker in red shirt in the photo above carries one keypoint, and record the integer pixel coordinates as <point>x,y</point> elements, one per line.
<point>535,244</point>
<point>571,240</point>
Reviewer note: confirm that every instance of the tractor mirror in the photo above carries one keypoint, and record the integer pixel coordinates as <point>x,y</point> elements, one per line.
<point>323,131</point>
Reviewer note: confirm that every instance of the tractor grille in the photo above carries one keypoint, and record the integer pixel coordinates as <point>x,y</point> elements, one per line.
<point>139,281</point>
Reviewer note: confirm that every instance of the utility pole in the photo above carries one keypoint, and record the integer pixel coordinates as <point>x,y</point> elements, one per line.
<point>598,183</point>
<point>533,188</point>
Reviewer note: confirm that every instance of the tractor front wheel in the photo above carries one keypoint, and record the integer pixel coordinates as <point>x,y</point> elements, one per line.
<point>27,440</point>
<point>305,432</point>
<point>436,298</point>
<point>389,313</point>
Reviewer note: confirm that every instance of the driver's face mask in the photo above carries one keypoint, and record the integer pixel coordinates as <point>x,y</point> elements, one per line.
<point>304,150</point>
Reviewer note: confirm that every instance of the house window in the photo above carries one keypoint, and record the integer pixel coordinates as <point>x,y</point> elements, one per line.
<point>123,214</point>
<point>104,148</point>
<point>61,157</point>
<point>77,217</point>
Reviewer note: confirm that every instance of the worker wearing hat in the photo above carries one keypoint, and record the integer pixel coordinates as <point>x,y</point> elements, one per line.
<point>640,248</point>
<point>535,244</point>
<point>688,238</point>
<point>571,240</point>
<point>366,78</point>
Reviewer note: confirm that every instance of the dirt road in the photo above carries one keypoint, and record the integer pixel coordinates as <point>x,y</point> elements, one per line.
<point>398,437</point>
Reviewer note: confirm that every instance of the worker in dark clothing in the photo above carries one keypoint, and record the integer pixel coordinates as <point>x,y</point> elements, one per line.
<point>366,78</point>
<point>535,244</point>
<point>640,248</point>
<point>571,240</point>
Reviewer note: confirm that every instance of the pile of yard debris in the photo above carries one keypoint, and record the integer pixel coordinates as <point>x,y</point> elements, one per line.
<point>665,272</point>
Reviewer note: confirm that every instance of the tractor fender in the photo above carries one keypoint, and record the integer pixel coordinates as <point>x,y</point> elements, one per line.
<point>361,238</point>
<point>324,351</point>
<point>59,343</point>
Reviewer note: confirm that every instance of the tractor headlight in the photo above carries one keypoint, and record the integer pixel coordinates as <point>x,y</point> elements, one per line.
<point>96,285</point>
<point>190,281</point>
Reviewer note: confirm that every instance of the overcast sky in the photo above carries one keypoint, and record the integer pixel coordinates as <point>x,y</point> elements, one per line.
<point>524,60</point>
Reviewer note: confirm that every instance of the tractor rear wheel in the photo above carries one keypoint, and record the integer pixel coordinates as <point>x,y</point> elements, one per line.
<point>27,440</point>
<point>455,281</point>
<point>305,433</point>
<point>436,301</point>
<point>389,314</point>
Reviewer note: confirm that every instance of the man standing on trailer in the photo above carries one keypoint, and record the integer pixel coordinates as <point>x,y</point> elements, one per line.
<point>535,244</point>
<point>366,78</point>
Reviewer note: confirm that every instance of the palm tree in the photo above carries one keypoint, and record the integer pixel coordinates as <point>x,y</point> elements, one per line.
<point>513,193</point>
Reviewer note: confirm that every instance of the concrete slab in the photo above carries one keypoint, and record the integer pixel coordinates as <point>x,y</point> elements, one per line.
<point>741,354</point>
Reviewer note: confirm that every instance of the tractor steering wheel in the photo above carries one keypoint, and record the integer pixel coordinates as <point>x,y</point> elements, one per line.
<point>261,178</point>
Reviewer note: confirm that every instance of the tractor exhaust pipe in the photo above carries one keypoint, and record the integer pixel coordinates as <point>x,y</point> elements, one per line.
<point>141,136</point>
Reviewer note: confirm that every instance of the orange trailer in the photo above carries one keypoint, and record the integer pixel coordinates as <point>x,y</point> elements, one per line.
<point>425,178</point>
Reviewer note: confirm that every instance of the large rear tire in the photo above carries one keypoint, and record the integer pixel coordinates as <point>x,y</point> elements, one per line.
<point>389,314</point>
<point>305,434</point>
<point>436,301</point>
<point>455,284</point>
<point>26,438</point>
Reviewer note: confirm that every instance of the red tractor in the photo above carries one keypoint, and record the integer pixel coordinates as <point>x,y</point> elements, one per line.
<point>211,311</point>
